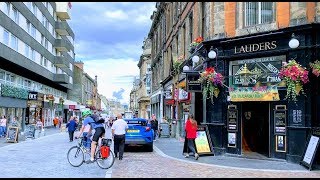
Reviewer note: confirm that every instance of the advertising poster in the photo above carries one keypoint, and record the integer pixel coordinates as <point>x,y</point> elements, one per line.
<point>231,139</point>
<point>202,143</point>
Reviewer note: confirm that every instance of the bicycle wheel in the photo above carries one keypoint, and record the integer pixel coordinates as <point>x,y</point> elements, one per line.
<point>75,156</point>
<point>105,163</point>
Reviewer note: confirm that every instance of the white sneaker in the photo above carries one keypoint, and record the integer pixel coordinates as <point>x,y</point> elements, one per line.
<point>196,156</point>
<point>186,155</point>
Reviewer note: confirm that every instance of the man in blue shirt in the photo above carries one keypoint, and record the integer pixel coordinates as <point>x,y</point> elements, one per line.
<point>99,132</point>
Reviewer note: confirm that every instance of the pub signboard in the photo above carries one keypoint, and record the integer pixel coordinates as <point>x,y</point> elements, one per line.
<point>280,118</point>
<point>193,84</point>
<point>232,124</point>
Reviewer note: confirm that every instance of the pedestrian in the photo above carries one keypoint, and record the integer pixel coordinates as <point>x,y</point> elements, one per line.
<point>3,126</point>
<point>119,128</point>
<point>154,126</point>
<point>39,127</point>
<point>60,122</point>
<point>87,135</point>
<point>55,121</point>
<point>14,122</point>
<point>191,134</point>
<point>71,125</point>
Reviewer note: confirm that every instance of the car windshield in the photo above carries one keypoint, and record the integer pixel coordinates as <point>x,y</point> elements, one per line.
<point>137,122</point>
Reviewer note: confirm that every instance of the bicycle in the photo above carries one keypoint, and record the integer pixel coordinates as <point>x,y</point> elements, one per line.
<point>78,153</point>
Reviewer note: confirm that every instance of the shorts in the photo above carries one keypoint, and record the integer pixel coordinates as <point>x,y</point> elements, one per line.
<point>99,133</point>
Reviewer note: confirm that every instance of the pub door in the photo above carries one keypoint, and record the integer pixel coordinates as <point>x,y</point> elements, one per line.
<point>255,129</point>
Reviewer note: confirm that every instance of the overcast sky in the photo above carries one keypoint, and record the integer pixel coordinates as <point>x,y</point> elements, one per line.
<point>108,39</point>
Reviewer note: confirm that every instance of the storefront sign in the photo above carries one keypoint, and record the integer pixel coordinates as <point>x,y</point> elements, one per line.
<point>183,95</point>
<point>193,85</point>
<point>280,118</point>
<point>33,96</point>
<point>232,122</point>
<point>33,103</point>
<point>263,93</point>
<point>248,48</point>
<point>250,72</point>
<point>297,117</point>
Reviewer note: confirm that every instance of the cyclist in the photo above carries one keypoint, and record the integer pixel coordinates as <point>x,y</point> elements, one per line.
<point>99,132</point>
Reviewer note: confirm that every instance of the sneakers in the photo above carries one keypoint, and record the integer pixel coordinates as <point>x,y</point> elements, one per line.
<point>89,161</point>
<point>196,156</point>
<point>186,156</point>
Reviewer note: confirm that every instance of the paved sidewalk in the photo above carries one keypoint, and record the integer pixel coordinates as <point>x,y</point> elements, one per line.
<point>173,148</point>
<point>48,131</point>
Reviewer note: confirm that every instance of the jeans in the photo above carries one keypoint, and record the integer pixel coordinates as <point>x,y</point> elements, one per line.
<point>2,130</point>
<point>119,141</point>
<point>87,140</point>
<point>191,146</point>
<point>155,134</point>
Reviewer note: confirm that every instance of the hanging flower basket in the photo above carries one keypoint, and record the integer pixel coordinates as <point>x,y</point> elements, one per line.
<point>194,44</point>
<point>177,64</point>
<point>294,76</point>
<point>315,66</point>
<point>211,81</point>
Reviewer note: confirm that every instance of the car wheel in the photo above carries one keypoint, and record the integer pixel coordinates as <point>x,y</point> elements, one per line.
<point>149,147</point>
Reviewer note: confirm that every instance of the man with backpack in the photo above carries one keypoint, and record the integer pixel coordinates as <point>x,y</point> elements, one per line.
<point>95,123</point>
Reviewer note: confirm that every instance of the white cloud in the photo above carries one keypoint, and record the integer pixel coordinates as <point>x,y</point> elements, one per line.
<point>109,71</point>
<point>116,15</point>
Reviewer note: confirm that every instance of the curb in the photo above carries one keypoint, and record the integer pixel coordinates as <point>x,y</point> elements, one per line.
<point>158,151</point>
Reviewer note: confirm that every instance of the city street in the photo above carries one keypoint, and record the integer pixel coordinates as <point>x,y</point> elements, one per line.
<point>45,157</point>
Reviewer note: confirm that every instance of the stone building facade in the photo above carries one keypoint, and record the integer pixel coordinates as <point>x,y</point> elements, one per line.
<point>225,26</point>
<point>145,81</point>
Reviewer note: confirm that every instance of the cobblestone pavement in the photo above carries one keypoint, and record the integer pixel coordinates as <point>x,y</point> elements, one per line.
<point>138,165</point>
<point>46,157</point>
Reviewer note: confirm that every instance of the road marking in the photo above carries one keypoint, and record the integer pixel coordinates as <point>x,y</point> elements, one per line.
<point>220,166</point>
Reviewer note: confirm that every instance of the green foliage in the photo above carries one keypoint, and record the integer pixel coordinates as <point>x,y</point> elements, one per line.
<point>176,67</point>
<point>11,91</point>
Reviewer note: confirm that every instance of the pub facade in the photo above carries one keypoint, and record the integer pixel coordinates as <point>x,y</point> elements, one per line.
<point>250,116</point>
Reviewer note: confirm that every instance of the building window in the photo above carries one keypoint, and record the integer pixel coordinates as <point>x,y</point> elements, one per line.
<point>190,28</point>
<point>28,27</point>
<point>26,51</point>
<point>6,8</point>
<point>33,55</point>
<point>15,15</point>
<point>14,42</point>
<point>6,37</point>
<point>2,75</point>
<point>258,13</point>
<point>33,31</point>
<point>34,9</point>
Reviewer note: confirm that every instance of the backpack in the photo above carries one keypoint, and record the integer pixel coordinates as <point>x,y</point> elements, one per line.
<point>97,119</point>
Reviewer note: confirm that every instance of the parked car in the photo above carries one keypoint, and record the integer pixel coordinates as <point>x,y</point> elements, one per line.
<point>139,133</point>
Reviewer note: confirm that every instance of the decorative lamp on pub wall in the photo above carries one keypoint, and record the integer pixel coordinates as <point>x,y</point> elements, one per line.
<point>244,75</point>
<point>294,43</point>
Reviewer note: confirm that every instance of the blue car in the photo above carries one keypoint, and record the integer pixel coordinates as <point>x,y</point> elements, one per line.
<point>139,133</point>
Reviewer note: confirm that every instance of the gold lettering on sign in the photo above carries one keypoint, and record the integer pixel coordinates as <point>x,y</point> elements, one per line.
<point>263,46</point>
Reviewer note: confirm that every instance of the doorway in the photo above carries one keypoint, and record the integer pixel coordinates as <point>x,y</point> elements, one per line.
<point>255,129</point>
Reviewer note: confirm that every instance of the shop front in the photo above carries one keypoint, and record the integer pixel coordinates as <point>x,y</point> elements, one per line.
<point>251,116</point>
<point>12,107</point>
<point>35,105</point>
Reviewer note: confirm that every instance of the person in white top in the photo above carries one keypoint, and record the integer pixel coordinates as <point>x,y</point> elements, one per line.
<point>119,128</point>
<point>3,126</point>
